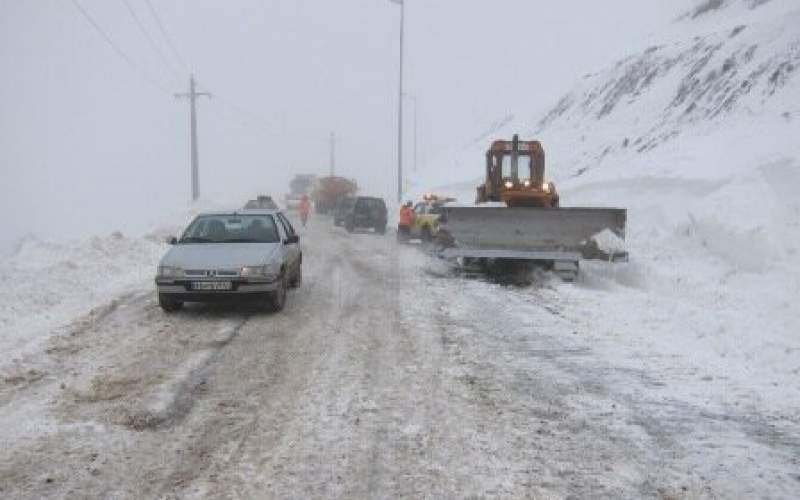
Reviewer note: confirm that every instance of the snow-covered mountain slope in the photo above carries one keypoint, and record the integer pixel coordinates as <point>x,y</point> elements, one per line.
<point>733,66</point>
<point>698,135</point>
<point>743,71</point>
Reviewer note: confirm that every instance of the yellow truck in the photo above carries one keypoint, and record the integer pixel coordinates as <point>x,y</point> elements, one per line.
<point>429,211</point>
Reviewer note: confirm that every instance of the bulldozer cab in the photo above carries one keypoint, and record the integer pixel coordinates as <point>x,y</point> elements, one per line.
<point>515,175</point>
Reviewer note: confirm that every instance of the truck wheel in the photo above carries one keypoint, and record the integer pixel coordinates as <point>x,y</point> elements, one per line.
<point>566,270</point>
<point>169,305</point>
<point>350,226</point>
<point>427,237</point>
<point>277,299</point>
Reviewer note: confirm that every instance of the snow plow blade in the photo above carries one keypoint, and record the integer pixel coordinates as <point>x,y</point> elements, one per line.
<point>559,235</point>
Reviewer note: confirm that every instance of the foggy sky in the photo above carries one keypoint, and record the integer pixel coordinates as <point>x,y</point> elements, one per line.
<point>88,145</point>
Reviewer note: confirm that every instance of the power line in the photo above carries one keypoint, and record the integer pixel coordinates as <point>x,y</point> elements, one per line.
<point>265,124</point>
<point>166,36</point>
<point>133,64</point>
<point>150,40</point>
<point>227,102</point>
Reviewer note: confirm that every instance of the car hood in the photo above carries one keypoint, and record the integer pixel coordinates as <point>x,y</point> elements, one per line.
<point>220,255</point>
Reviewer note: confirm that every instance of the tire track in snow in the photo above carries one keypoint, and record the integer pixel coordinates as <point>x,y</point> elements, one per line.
<point>170,403</point>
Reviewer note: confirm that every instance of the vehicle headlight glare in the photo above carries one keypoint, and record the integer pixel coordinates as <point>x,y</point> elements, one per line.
<point>509,184</point>
<point>546,187</point>
<point>254,271</point>
<point>258,272</point>
<point>169,272</point>
<point>527,183</point>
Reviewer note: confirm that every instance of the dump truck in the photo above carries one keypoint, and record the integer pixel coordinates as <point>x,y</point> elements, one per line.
<point>518,217</point>
<point>300,185</point>
<point>329,191</point>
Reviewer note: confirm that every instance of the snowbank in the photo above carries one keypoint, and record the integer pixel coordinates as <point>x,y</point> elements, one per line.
<point>49,284</point>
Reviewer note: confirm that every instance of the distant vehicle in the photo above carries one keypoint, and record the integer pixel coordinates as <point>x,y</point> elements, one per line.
<point>429,212</point>
<point>249,254</point>
<point>366,212</point>
<point>261,202</point>
<point>340,212</point>
<point>328,191</point>
<point>302,184</point>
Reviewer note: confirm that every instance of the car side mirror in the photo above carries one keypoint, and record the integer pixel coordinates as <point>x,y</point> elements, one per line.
<point>172,240</point>
<point>291,240</point>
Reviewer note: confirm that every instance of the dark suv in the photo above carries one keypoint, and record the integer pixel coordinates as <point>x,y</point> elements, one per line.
<point>344,206</point>
<point>366,212</point>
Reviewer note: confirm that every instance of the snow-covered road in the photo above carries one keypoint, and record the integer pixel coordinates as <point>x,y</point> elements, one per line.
<point>385,377</point>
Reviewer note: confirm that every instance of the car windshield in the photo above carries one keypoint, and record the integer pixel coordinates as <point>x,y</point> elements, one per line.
<point>232,229</point>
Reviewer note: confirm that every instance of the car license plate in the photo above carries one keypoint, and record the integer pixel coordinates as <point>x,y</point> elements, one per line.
<point>212,285</point>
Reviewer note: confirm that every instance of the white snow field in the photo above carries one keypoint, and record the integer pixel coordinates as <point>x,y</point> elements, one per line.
<point>697,136</point>
<point>675,375</point>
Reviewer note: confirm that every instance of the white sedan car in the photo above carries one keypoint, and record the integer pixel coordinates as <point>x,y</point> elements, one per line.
<point>246,254</point>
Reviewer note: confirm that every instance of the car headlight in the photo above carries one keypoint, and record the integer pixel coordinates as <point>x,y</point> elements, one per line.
<point>169,272</point>
<point>527,183</point>
<point>259,272</point>
<point>509,184</point>
<point>546,187</point>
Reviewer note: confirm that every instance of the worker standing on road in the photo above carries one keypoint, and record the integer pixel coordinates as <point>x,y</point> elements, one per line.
<point>407,218</point>
<point>305,209</point>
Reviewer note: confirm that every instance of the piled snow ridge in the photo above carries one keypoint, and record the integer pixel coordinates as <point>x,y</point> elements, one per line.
<point>49,284</point>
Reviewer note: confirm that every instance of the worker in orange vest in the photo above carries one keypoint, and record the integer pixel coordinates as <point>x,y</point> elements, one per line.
<point>305,209</point>
<point>407,218</point>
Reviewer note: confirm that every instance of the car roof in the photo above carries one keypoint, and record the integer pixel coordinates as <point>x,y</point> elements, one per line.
<point>245,211</point>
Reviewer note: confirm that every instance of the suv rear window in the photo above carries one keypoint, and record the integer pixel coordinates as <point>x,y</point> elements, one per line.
<point>371,204</point>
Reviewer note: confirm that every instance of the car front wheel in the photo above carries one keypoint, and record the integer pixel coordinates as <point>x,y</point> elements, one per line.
<point>277,299</point>
<point>298,277</point>
<point>169,305</point>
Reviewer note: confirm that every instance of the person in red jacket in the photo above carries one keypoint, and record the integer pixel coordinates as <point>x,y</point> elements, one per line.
<point>407,218</point>
<point>305,209</point>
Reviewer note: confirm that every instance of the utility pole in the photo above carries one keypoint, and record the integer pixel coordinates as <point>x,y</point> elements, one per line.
<point>402,5</point>
<point>192,95</point>
<point>333,154</point>
<point>413,99</point>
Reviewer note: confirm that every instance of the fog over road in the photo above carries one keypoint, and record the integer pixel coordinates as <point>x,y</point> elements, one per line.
<point>385,377</point>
